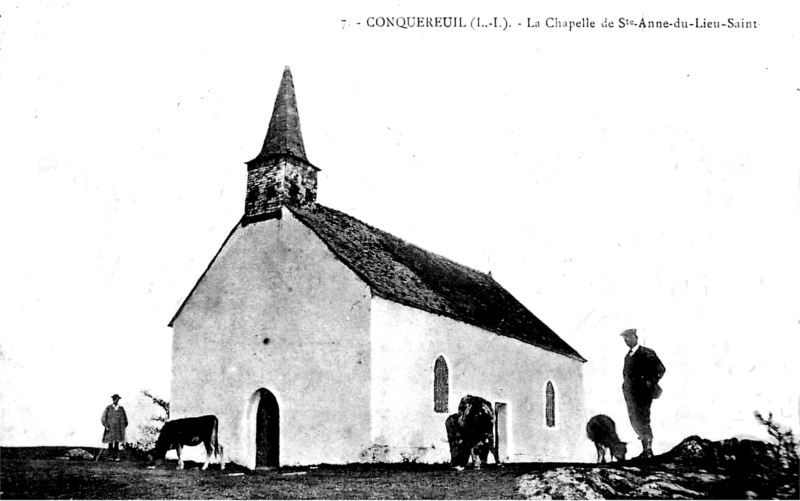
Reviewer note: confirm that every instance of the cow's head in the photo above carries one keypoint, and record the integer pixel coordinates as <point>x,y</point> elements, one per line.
<point>155,458</point>
<point>484,445</point>
<point>159,452</point>
<point>619,450</point>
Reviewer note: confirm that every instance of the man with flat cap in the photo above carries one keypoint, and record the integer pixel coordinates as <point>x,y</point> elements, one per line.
<point>640,375</point>
<point>115,421</point>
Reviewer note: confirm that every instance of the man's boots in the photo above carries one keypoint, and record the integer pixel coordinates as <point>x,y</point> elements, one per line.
<point>647,449</point>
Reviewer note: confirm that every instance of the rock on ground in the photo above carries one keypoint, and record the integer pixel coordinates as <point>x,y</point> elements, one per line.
<point>79,454</point>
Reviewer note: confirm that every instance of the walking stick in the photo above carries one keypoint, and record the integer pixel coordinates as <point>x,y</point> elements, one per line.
<point>101,449</point>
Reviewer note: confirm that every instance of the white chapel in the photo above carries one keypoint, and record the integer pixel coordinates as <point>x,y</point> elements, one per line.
<point>316,338</point>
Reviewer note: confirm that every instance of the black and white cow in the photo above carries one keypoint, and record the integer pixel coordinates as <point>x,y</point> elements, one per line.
<point>189,431</point>
<point>470,433</point>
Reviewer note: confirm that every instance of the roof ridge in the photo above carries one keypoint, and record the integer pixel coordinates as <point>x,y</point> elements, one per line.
<point>384,247</point>
<point>443,286</point>
<point>441,256</point>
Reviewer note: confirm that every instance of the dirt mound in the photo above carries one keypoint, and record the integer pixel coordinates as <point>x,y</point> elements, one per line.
<point>725,452</point>
<point>616,483</point>
<point>695,468</point>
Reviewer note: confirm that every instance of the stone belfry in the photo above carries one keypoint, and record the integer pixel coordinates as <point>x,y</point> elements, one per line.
<point>281,174</point>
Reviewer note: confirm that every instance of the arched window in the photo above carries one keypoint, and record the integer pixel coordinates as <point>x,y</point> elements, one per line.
<point>550,405</point>
<point>441,390</point>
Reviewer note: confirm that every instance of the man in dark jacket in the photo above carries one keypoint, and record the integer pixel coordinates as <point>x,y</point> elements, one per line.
<point>641,374</point>
<point>114,421</point>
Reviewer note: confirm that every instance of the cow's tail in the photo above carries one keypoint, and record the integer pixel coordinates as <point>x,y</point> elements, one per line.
<point>216,436</point>
<point>218,451</point>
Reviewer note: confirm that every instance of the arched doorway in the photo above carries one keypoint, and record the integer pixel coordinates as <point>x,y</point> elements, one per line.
<point>268,423</point>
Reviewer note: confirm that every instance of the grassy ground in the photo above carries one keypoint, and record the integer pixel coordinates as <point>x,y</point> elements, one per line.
<point>44,473</point>
<point>36,473</point>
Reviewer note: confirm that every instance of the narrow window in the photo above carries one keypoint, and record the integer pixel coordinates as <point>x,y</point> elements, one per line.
<point>294,192</point>
<point>441,390</point>
<point>550,405</point>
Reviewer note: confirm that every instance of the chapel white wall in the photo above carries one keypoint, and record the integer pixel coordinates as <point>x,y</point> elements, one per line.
<point>275,279</point>
<point>405,345</point>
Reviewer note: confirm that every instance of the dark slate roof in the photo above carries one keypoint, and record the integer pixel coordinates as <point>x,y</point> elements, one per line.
<point>404,273</point>
<point>284,136</point>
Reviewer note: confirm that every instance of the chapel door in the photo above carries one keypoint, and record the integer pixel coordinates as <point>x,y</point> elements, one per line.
<point>501,430</point>
<point>267,431</point>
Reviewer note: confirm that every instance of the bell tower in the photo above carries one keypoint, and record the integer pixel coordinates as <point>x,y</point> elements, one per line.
<point>281,173</point>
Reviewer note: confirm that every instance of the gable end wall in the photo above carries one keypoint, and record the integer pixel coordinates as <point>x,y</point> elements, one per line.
<point>276,281</point>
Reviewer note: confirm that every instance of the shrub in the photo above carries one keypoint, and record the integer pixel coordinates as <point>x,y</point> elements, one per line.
<point>148,432</point>
<point>786,450</point>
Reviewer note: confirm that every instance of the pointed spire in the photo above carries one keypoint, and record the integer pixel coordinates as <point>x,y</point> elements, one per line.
<point>284,136</point>
<point>281,174</point>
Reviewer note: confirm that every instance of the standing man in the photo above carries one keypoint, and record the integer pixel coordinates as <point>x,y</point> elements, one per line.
<point>641,374</point>
<point>115,421</point>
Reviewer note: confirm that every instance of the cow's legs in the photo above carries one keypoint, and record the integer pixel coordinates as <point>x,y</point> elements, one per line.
<point>495,454</point>
<point>209,452</point>
<point>484,455</point>
<point>476,459</point>
<point>178,449</point>
<point>601,453</point>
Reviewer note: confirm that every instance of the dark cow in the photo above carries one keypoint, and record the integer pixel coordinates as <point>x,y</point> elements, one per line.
<point>470,433</point>
<point>190,431</point>
<point>603,432</point>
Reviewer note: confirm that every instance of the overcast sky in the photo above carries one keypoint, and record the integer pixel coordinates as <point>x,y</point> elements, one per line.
<point>608,178</point>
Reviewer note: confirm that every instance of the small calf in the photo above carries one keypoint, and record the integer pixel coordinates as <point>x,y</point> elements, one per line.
<point>603,432</point>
